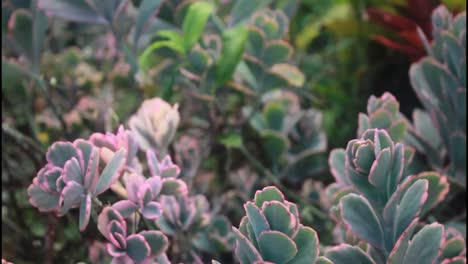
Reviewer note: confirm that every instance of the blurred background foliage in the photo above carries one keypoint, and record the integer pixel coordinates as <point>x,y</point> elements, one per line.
<point>62,79</point>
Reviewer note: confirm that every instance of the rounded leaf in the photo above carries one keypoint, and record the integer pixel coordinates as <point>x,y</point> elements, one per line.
<point>276,247</point>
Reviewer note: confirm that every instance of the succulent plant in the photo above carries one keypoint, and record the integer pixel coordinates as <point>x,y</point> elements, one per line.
<point>267,55</point>
<point>155,124</point>
<point>271,232</point>
<point>439,81</point>
<point>122,139</point>
<point>141,195</point>
<point>71,178</point>
<point>453,249</point>
<point>383,113</point>
<point>142,247</point>
<point>183,214</point>
<point>189,221</point>
<point>382,205</point>
<point>292,138</point>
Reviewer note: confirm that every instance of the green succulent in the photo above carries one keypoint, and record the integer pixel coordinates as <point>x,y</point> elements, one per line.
<point>378,202</point>
<point>439,81</point>
<point>271,232</point>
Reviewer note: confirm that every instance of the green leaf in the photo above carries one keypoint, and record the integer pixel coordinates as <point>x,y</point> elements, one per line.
<point>174,44</point>
<point>381,169</point>
<point>346,254</point>
<point>233,40</point>
<point>453,247</point>
<point>276,247</point>
<point>39,29</point>
<point>194,22</point>
<point>323,260</point>
<point>409,206</point>
<point>267,194</point>
<point>397,253</point>
<point>290,73</point>
<point>85,212</point>
<point>274,114</point>
<point>231,140</point>
<point>243,9</point>
<point>156,240</point>
<point>307,244</point>
<point>279,217</point>
<point>380,119</point>
<point>111,172</point>
<point>359,215</point>
<point>245,252</point>
<point>336,162</point>
<point>277,51</point>
<point>425,245</point>
<point>275,145</point>
<point>146,10</point>
<point>137,247</point>
<point>256,218</point>
<point>175,187</point>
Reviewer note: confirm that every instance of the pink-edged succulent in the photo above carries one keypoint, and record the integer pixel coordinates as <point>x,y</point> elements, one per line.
<point>141,197</point>
<point>271,232</point>
<point>71,178</point>
<point>164,168</point>
<point>139,248</point>
<point>122,139</point>
<point>155,124</point>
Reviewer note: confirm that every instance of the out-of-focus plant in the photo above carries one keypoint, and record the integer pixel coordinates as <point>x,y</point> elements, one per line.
<point>406,28</point>
<point>291,137</point>
<point>439,81</point>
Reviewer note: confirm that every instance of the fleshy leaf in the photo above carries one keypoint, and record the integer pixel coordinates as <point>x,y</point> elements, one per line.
<point>157,241</point>
<point>125,207</point>
<point>270,193</point>
<point>359,215</point>
<point>276,247</point>
<point>307,244</point>
<point>345,254</point>
<point>425,245</point>
<point>137,248</point>
<point>111,172</point>
<point>85,212</point>
<point>245,251</point>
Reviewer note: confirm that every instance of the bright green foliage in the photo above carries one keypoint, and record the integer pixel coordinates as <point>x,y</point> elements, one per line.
<point>439,81</point>
<point>271,232</point>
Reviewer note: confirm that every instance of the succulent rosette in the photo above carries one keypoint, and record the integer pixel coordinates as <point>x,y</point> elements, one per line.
<point>71,178</point>
<point>139,248</point>
<point>122,139</point>
<point>271,232</point>
<point>141,197</point>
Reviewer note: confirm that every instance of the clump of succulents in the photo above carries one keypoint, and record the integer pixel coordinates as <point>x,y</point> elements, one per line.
<point>380,204</point>
<point>439,81</point>
<point>292,137</point>
<point>271,232</point>
<point>73,177</point>
<point>383,113</point>
<point>267,54</point>
<point>187,219</point>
